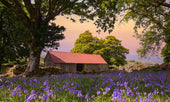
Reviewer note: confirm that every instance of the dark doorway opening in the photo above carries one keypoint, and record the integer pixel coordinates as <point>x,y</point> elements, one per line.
<point>80,67</point>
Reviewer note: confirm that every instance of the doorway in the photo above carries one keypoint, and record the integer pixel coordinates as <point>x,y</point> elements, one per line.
<point>80,67</point>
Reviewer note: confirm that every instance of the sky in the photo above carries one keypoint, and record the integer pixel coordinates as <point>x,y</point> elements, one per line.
<point>122,31</point>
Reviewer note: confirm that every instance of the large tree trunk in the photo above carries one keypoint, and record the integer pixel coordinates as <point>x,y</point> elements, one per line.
<point>1,60</point>
<point>34,60</point>
<point>0,68</point>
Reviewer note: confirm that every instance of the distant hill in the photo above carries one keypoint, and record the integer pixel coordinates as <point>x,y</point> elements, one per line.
<point>142,62</point>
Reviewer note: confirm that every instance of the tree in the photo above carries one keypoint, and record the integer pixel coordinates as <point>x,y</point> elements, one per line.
<point>11,45</point>
<point>166,53</point>
<point>86,43</point>
<point>37,14</point>
<point>154,17</point>
<point>109,48</point>
<point>113,52</point>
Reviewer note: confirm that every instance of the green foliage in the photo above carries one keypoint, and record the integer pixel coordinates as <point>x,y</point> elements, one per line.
<point>11,45</point>
<point>86,43</point>
<point>36,16</point>
<point>154,17</point>
<point>166,53</point>
<point>109,48</point>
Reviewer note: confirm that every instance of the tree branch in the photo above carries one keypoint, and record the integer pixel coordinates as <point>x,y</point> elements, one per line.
<point>6,3</point>
<point>52,12</point>
<point>29,7</point>
<point>147,16</point>
<point>52,4</point>
<point>57,12</point>
<point>166,4</point>
<point>16,7</point>
<point>38,8</point>
<point>160,3</point>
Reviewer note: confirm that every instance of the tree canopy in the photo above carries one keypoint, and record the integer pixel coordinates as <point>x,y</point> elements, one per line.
<point>109,48</point>
<point>36,15</point>
<point>154,17</point>
<point>11,45</point>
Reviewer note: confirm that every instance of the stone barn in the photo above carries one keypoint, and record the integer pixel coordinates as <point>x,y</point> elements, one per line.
<point>72,62</point>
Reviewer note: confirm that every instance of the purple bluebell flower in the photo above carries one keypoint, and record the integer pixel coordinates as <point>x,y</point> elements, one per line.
<point>137,93</point>
<point>33,92</point>
<point>116,94</point>
<point>106,90</point>
<point>46,83</point>
<point>46,89</point>
<point>99,92</point>
<point>31,97</point>
<point>25,91</point>
<point>26,96</point>
<point>129,92</point>
<point>150,95</point>
<point>141,100</point>
<point>55,88</point>
<point>13,93</point>
<point>50,93</point>
<point>155,91</point>
<point>64,86</point>
<point>19,87</point>
<point>70,91</point>
<point>10,88</point>
<point>120,74</point>
<point>156,100</point>
<point>44,97</point>
<point>162,93</point>
<point>86,97</point>
<point>144,93</point>
<point>136,99</point>
<point>92,96</point>
<point>167,100</point>
<point>19,94</point>
<point>124,98</point>
<point>79,94</point>
<point>126,84</point>
<point>37,81</point>
<point>148,100</point>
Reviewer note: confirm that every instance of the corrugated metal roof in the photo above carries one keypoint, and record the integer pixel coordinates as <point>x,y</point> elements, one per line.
<point>67,57</point>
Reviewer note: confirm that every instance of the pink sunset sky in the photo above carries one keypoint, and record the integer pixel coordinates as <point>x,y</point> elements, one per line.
<point>122,31</point>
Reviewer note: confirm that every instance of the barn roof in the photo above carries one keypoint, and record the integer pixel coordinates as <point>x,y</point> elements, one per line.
<point>67,57</point>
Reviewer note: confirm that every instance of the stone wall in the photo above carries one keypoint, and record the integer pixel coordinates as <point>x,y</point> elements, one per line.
<point>48,61</point>
<point>96,67</point>
<point>66,67</point>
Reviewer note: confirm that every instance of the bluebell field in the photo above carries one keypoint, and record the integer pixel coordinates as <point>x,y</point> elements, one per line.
<point>114,86</point>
